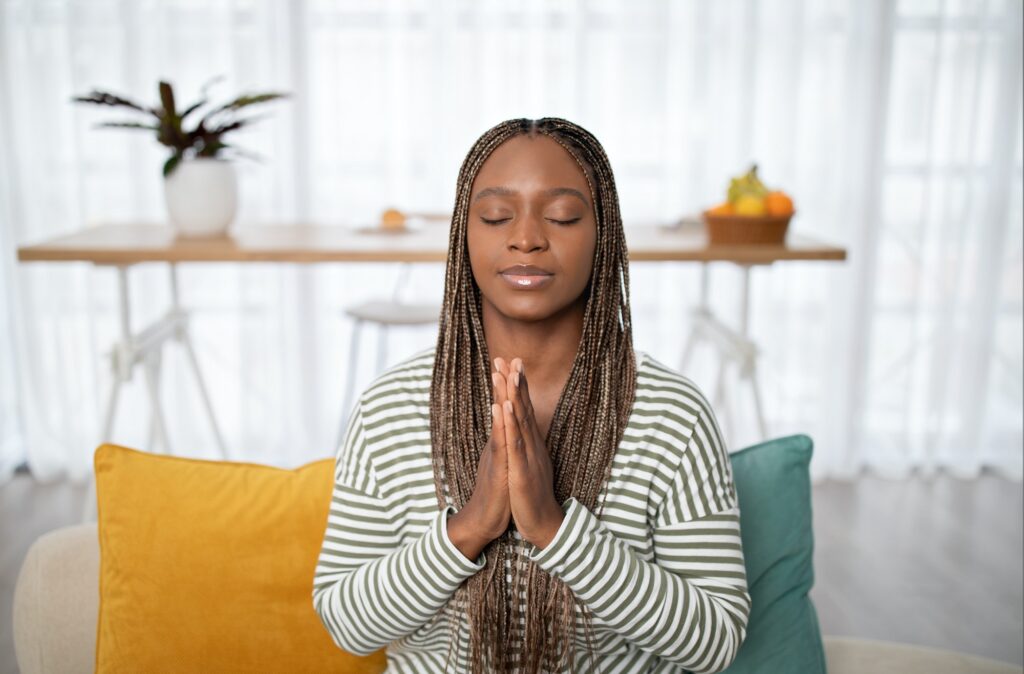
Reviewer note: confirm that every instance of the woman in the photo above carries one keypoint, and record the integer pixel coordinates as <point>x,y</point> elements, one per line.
<point>533,454</point>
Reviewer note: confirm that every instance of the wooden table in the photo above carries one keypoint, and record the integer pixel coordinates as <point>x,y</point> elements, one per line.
<point>124,245</point>
<point>117,244</point>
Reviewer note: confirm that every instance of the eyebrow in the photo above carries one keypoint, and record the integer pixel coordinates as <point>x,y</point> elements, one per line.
<point>508,192</point>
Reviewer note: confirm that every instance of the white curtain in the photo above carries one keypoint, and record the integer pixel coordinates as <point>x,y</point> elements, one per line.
<point>896,126</point>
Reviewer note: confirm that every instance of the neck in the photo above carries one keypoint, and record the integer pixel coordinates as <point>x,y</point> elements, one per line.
<point>547,347</point>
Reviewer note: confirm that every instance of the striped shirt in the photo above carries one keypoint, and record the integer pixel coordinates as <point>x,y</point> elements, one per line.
<point>660,573</point>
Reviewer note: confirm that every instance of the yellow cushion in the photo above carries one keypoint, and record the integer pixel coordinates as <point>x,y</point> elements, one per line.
<point>207,566</point>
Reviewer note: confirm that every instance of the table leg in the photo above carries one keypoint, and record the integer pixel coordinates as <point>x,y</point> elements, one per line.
<point>749,363</point>
<point>731,345</point>
<point>152,435</point>
<point>185,340</point>
<point>157,412</point>
<point>145,348</point>
<point>696,326</point>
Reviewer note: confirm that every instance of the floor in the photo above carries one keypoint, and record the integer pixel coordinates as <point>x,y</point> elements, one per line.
<point>936,562</point>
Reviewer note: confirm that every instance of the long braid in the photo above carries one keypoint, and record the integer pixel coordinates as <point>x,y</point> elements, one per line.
<point>586,428</point>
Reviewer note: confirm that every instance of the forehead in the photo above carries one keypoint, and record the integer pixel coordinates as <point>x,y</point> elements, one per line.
<point>524,161</point>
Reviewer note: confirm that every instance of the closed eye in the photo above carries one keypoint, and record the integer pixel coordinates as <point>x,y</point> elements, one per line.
<point>560,222</point>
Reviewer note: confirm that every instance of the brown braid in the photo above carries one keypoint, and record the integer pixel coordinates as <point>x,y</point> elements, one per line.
<point>586,429</point>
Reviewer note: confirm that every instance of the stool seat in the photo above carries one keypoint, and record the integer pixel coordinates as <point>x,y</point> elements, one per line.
<point>385,314</point>
<point>395,313</point>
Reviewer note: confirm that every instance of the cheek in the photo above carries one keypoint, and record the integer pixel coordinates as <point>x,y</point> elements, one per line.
<point>479,250</point>
<point>582,251</point>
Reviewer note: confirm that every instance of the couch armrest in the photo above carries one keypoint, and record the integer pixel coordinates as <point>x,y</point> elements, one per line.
<point>56,602</point>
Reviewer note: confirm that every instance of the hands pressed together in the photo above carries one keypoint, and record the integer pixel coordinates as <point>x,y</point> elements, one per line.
<point>515,477</point>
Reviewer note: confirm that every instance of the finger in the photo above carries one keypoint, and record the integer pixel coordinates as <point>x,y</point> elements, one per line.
<point>501,366</point>
<point>500,387</point>
<point>523,391</point>
<point>498,431</point>
<point>525,417</point>
<point>510,387</point>
<point>513,439</point>
<point>529,412</point>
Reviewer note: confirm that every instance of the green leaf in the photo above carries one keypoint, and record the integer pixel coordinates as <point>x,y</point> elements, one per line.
<point>128,125</point>
<point>171,164</point>
<point>98,97</point>
<point>236,124</point>
<point>167,98</point>
<point>243,101</point>
<point>245,153</point>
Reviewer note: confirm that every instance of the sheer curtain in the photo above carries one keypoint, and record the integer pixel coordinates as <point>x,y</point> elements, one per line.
<point>895,125</point>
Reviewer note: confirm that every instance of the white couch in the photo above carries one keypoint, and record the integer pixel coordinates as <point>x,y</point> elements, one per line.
<point>57,597</point>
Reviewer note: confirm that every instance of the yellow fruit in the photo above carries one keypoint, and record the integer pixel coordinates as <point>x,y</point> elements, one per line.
<point>748,183</point>
<point>392,218</point>
<point>778,203</point>
<point>748,204</point>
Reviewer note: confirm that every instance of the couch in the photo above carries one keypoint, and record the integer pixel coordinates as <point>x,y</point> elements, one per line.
<point>56,599</point>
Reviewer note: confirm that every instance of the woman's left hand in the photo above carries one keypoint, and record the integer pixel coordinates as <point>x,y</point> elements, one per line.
<point>536,512</point>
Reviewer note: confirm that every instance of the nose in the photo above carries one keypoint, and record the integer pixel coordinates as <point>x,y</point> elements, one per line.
<point>527,235</point>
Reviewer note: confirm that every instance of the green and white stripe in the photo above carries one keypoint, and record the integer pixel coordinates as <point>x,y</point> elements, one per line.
<point>660,573</point>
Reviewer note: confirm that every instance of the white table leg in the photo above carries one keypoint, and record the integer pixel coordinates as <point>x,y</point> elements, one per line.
<point>183,337</point>
<point>732,347</point>
<point>696,326</point>
<point>145,348</point>
<point>121,371</point>
<point>152,436</point>
<point>157,412</point>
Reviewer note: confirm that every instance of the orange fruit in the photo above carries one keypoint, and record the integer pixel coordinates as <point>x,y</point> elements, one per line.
<point>392,218</point>
<point>778,202</point>
<point>724,208</point>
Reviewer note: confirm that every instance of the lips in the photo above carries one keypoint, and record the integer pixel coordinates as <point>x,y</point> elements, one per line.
<point>526,277</point>
<point>525,270</point>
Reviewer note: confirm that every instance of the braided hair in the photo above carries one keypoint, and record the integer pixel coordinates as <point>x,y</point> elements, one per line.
<point>588,423</point>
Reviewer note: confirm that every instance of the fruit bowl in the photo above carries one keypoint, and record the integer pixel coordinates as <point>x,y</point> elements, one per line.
<point>736,230</point>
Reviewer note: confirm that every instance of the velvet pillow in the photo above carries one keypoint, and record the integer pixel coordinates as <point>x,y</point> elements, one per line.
<point>207,566</point>
<point>773,484</point>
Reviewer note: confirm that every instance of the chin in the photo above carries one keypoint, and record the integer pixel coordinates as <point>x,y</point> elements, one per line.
<point>528,307</point>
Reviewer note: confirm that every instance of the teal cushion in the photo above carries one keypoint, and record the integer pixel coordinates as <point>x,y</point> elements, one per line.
<point>773,483</point>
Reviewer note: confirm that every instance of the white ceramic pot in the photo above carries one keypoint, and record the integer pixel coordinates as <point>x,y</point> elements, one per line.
<point>202,196</point>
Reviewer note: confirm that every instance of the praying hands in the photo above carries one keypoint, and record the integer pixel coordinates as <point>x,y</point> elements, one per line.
<point>515,477</point>
<point>535,511</point>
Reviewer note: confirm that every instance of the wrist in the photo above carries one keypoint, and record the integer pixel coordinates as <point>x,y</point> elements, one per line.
<point>552,523</point>
<point>464,534</point>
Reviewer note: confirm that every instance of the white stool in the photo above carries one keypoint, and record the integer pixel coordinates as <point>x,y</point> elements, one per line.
<point>384,314</point>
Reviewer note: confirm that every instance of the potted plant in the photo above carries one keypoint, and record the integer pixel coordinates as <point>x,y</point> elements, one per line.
<point>200,185</point>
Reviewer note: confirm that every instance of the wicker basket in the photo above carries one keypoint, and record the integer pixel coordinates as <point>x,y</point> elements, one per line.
<point>733,230</point>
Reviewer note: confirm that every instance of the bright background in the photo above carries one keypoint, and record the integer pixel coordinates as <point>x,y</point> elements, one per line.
<point>895,125</point>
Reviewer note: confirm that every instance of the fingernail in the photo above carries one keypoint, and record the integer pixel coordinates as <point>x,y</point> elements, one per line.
<point>494,378</point>
<point>515,378</point>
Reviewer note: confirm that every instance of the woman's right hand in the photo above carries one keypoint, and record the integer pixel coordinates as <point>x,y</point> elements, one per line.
<point>487,514</point>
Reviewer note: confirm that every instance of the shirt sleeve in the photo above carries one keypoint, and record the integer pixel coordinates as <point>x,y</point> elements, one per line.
<point>368,588</point>
<point>690,605</point>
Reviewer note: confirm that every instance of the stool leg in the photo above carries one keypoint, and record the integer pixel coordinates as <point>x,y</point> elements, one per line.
<point>350,384</point>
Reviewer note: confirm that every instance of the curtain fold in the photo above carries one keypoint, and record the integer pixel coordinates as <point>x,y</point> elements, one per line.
<point>896,126</point>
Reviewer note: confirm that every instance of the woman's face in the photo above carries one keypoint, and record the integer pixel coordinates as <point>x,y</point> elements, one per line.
<point>532,231</point>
